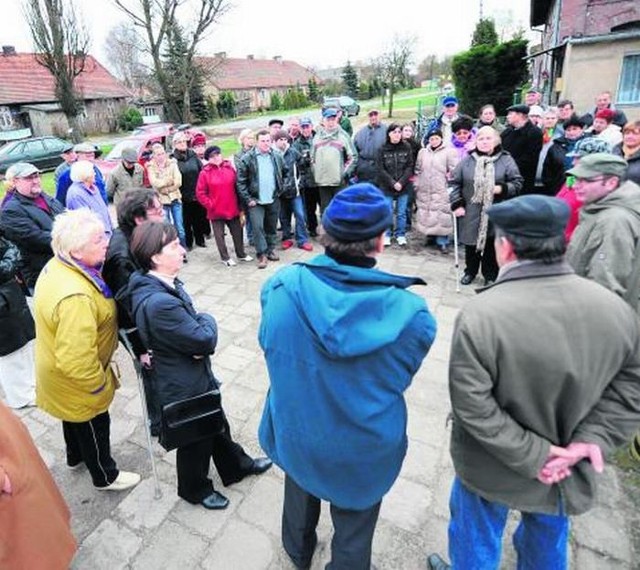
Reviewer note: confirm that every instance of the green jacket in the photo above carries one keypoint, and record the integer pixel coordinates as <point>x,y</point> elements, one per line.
<point>605,246</point>
<point>333,157</point>
<point>541,357</point>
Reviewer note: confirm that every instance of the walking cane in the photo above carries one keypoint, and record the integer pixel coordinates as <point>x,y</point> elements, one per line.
<point>124,338</point>
<point>455,251</point>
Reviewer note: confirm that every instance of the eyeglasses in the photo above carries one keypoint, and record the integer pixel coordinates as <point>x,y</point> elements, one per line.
<point>155,209</point>
<point>591,180</point>
<point>34,176</point>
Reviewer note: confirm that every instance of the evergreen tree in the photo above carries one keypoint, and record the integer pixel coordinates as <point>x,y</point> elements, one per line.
<point>198,101</point>
<point>179,73</point>
<point>350,80</point>
<point>314,92</point>
<point>485,34</point>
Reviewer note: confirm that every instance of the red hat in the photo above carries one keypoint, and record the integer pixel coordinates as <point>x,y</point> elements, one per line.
<point>198,139</point>
<point>606,114</point>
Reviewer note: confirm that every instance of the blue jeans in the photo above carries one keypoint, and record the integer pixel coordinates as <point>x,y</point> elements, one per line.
<point>400,215</point>
<point>475,535</point>
<point>293,206</point>
<point>442,240</point>
<point>173,212</point>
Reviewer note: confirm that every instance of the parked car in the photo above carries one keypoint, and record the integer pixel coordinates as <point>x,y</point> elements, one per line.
<point>140,142</point>
<point>43,152</point>
<point>349,105</point>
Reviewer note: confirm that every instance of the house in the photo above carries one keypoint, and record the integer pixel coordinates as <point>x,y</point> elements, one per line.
<point>253,81</point>
<point>588,46</point>
<point>28,100</point>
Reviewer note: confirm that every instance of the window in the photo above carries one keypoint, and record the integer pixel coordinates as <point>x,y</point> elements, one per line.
<point>629,89</point>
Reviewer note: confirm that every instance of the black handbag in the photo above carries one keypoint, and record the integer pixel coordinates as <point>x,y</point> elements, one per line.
<point>191,420</point>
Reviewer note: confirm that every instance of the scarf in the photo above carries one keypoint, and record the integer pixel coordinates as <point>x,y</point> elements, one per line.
<point>484,180</point>
<point>627,151</point>
<point>94,274</point>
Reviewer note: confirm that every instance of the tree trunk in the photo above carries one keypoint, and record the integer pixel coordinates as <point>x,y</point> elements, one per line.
<point>77,134</point>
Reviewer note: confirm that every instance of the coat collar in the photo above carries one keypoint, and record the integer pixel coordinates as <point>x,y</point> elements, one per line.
<point>530,269</point>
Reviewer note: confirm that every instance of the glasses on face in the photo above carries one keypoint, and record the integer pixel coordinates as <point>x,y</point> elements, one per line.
<point>32,177</point>
<point>590,180</point>
<point>181,142</point>
<point>155,209</point>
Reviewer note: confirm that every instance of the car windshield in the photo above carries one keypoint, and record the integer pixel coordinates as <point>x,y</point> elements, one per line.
<point>116,151</point>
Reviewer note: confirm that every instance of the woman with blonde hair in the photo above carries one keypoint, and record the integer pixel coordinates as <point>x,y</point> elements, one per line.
<point>83,193</point>
<point>76,326</point>
<point>629,149</point>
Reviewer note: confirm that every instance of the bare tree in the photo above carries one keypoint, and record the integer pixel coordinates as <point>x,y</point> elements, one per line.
<point>394,64</point>
<point>124,50</point>
<point>61,43</point>
<point>157,19</point>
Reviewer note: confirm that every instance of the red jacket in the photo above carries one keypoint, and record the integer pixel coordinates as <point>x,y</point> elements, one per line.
<point>569,196</point>
<point>216,191</point>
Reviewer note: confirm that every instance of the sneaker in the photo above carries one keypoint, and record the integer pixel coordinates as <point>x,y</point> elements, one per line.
<point>306,246</point>
<point>124,481</point>
<point>272,256</point>
<point>387,241</point>
<point>75,466</point>
<point>402,241</point>
<point>246,258</point>
<point>229,262</point>
<point>262,262</point>
<point>286,244</point>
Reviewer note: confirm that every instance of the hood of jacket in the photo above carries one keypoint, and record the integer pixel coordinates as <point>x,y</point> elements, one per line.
<point>343,305</point>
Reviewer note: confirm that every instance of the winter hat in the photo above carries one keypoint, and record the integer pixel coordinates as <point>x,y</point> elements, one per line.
<point>434,132</point>
<point>461,123</point>
<point>598,164</point>
<point>212,150</point>
<point>590,145</point>
<point>606,114</point>
<point>357,213</point>
<point>573,121</point>
<point>198,140</point>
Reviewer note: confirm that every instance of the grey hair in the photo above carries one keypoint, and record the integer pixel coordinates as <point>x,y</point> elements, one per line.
<point>73,230</point>
<point>81,170</point>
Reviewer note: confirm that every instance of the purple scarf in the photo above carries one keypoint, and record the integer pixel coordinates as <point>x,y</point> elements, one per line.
<point>93,273</point>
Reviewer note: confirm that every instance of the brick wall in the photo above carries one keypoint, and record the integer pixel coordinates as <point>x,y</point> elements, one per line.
<point>593,17</point>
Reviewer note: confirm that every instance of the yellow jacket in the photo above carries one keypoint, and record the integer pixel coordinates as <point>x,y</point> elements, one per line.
<point>76,336</point>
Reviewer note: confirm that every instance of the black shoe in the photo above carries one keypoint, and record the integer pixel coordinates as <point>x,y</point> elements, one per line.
<point>215,502</point>
<point>201,244</point>
<point>271,256</point>
<point>434,562</point>
<point>260,465</point>
<point>313,233</point>
<point>467,279</point>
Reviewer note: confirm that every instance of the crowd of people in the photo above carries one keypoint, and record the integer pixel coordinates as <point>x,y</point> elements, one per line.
<point>525,411</point>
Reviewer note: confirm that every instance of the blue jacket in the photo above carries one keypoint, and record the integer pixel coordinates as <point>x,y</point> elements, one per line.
<point>64,182</point>
<point>342,344</point>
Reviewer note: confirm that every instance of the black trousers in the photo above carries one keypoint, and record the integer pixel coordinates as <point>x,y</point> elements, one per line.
<point>487,259</point>
<point>235,228</point>
<point>311,198</point>
<point>326,195</point>
<point>194,218</point>
<point>352,536</point>
<point>193,462</point>
<point>89,442</point>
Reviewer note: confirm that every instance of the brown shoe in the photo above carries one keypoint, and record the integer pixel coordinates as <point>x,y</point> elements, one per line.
<point>271,256</point>
<point>262,262</point>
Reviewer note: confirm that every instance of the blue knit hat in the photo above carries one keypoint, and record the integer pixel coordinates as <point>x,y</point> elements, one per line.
<point>357,213</point>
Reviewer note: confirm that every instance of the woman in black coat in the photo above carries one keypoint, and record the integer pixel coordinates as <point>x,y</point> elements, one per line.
<point>17,373</point>
<point>181,342</point>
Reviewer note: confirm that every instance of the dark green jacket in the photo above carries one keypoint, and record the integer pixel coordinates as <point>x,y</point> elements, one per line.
<point>541,357</point>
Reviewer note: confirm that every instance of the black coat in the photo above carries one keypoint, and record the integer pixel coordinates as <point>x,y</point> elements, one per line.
<point>176,334</point>
<point>190,166</point>
<point>633,172</point>
<point>16,324</point>
<point>394,164</point>
<point>555,167</point>
<point>524,145</point>
<point>29,227</point>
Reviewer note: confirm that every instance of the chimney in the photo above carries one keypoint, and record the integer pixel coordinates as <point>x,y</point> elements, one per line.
<point>221,55</point>
<point>8,50</point>
<point>250,56</point>
<point>277,58</point>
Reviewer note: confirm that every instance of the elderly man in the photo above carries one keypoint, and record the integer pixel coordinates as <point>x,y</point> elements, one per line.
<point>68,156</point>
<point>84,151</point>
<point>333,157</point>
<point>27,219</point>
<point>330,332</point>
<point>603,101</point>
<point>126,176</point>
<point>533,97</point>
<point>527,414</point>
<point>444,121</point>
<point>368,142</point>
<point>261,175</point>
<point>523,140</point>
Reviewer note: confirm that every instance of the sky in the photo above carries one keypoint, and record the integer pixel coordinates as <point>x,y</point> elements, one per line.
<point>319,35</point>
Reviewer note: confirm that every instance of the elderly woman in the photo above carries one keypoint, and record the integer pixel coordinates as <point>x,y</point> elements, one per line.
<point>76,337</point>
<point>83,193</point>
<point>246,140</point>
<point>629,149</point>
<point>194,216</point>
<point>216,191</point>
<point>182,342</point>
<point>487,175</point>
<point>434,165</point>
<point>166,180</point>
<point>488,118</point>
<point>9,185</point>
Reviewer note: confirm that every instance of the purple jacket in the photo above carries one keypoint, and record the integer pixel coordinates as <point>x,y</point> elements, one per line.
<point>79,196</point>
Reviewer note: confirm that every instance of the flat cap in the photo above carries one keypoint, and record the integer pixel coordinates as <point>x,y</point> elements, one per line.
<point>129,154</point>
<point>599,163</point>
<point>532,216</point>
<point>23,169</point>
<point>524,109</point>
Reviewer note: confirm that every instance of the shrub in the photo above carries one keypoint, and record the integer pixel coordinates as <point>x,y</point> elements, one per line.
<point>129,119</point>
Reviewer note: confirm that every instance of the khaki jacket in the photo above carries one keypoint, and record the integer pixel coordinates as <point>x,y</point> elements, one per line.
<point>165,180</point>
<point>76,336</point>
